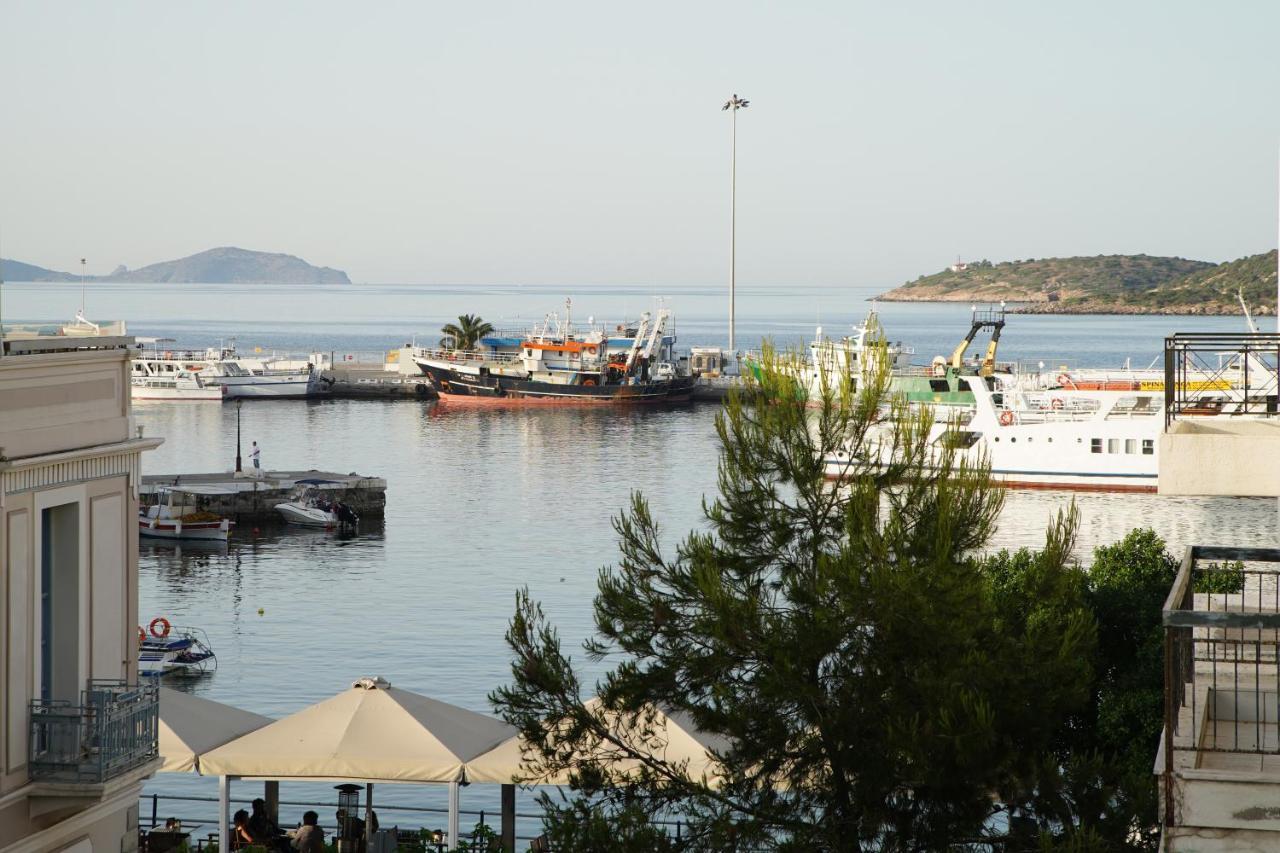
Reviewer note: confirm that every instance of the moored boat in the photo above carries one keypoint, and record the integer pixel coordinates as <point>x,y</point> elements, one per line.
<point>166,649</point>
<point>556,366</point>
<point>312,507</point>
<point>176,516</point>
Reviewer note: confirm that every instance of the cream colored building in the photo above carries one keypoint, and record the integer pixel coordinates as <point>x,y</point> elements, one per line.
<point>77,732</point>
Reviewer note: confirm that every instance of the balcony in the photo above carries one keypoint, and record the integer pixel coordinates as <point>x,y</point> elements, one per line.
<point>1219,760</point>
<point>113,734</point>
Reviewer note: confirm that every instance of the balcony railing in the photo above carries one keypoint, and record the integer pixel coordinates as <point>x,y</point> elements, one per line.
<point>1222,663</point>
<point>114,729</point>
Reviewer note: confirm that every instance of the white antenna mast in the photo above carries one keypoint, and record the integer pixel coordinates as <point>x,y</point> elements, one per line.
<point>82,289</point>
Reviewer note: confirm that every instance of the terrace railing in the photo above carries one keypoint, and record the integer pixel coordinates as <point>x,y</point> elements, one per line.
<point>1221,661</point>
<point>1203,369</point>
<point>114,729</point>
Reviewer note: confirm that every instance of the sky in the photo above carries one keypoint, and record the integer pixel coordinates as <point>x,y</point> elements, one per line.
<point>583,142</point>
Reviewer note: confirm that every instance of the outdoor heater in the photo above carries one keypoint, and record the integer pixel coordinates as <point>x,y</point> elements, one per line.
<point>349,810</point>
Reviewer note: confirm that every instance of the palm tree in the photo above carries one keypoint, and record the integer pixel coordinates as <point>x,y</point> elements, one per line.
<point>466,333</point>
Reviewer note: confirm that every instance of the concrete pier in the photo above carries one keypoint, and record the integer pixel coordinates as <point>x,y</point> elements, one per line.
<point>253,498</point>
<point>374,380</point>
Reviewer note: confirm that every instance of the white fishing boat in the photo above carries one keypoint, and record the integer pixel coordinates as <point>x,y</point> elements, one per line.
<point>313,506</point>
<point>177,516</point>
<point>166,649</point>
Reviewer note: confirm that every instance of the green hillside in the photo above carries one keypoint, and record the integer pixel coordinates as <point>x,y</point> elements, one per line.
<point>1255,275</point>
<point>1063,279</point>
<point>1105,284</point>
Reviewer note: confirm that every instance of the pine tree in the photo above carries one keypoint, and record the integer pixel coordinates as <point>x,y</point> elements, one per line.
<point>862,678</point>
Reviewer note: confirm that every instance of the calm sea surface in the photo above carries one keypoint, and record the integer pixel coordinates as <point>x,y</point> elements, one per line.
<point>481,503</point>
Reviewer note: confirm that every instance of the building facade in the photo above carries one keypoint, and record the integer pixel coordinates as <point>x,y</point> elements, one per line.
<point>78,730</point>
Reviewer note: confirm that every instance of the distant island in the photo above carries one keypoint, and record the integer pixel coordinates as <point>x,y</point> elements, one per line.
<point>1104,284</point>
<point>225,265</point>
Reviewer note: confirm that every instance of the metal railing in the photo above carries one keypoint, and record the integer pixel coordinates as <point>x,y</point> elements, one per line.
<point>1221,657</point>
<point>114,729</point>
<point>1200,366</point>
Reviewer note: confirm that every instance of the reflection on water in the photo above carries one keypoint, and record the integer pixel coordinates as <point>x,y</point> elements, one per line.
<point>479,503</point>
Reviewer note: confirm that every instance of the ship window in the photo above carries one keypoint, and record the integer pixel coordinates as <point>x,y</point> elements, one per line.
<point>958,439</point>
<point>1113,445</point>
<point>1095,445</point>
<point>1131,445</point>
<point>939,385</point>
<point>1012,439</point>
<point>1148,447</point>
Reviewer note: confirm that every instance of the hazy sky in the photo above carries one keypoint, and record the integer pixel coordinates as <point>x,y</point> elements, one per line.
<point>577,143</point>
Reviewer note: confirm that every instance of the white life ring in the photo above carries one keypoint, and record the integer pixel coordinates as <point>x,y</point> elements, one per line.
<point>1006,418</point>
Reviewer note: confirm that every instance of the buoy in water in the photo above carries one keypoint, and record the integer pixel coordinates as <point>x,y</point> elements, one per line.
<point>261,611</point>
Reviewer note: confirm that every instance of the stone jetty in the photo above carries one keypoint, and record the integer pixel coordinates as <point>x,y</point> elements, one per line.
<point>252,496</point>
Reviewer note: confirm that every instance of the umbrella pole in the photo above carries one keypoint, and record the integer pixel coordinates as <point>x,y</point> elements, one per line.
<point>453,815</point>
<point>368,816</point>
<point>224,809</point>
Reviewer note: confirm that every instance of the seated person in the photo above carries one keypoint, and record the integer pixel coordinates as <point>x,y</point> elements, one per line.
<point>261,825</point>
<point>310,837</point>
<point>240,835</point>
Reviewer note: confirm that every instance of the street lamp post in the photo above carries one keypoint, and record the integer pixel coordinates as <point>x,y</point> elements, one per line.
<point>239,468</point>
<point>733,105</point>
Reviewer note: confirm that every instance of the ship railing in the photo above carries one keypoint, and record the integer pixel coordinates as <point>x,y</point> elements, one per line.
<point>465,356</point>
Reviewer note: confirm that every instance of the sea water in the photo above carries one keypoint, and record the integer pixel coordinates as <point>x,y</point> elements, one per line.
<point>482,503</point>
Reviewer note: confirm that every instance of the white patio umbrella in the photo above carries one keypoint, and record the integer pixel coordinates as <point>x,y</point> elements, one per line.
<point>191,726</point>
<point>372,733</point>
<point>676,739</point>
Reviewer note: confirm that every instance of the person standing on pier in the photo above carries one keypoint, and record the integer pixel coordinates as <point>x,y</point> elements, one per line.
<point>256,455</point>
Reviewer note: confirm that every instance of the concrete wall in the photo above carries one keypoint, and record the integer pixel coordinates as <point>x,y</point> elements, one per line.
<point>1227,457</point>
<point>63,401</point>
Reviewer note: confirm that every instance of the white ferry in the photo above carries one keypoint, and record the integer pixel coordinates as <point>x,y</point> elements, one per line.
<point>1094,430</point>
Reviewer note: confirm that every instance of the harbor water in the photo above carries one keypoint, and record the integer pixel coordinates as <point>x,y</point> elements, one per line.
<point>481,503</point>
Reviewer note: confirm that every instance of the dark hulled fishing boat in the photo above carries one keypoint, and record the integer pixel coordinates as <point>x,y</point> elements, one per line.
<point>555,366</point>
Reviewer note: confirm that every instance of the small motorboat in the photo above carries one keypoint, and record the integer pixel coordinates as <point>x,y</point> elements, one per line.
<point>170,520</point>
<point>311,507</point>
<point>166,649</point>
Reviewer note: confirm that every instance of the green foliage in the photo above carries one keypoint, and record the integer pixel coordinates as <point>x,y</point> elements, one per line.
<point>1220,578</point>
<point>466,333</point>
<point>864,679</point>
<point>1106,783</point>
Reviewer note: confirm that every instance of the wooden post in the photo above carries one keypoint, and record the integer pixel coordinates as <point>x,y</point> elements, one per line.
<point>271,793</point>
<point>508,818</point>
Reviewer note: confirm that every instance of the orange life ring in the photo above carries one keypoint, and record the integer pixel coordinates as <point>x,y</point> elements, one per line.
<point>142,635</point>
<point>1064,379</point>
<point>1006,417</point>
<point>588,382</point>
<point>590,348</point>
<point>164,627</point>
<point>1057,403</point>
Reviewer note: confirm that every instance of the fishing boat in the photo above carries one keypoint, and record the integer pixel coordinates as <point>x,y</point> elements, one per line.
<point>555,365</point>
<point>312,507</point>
<point>166,649</point>
<point>177,515</point>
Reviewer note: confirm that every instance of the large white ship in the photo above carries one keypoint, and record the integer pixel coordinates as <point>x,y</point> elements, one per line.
<point>1094,429</point>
